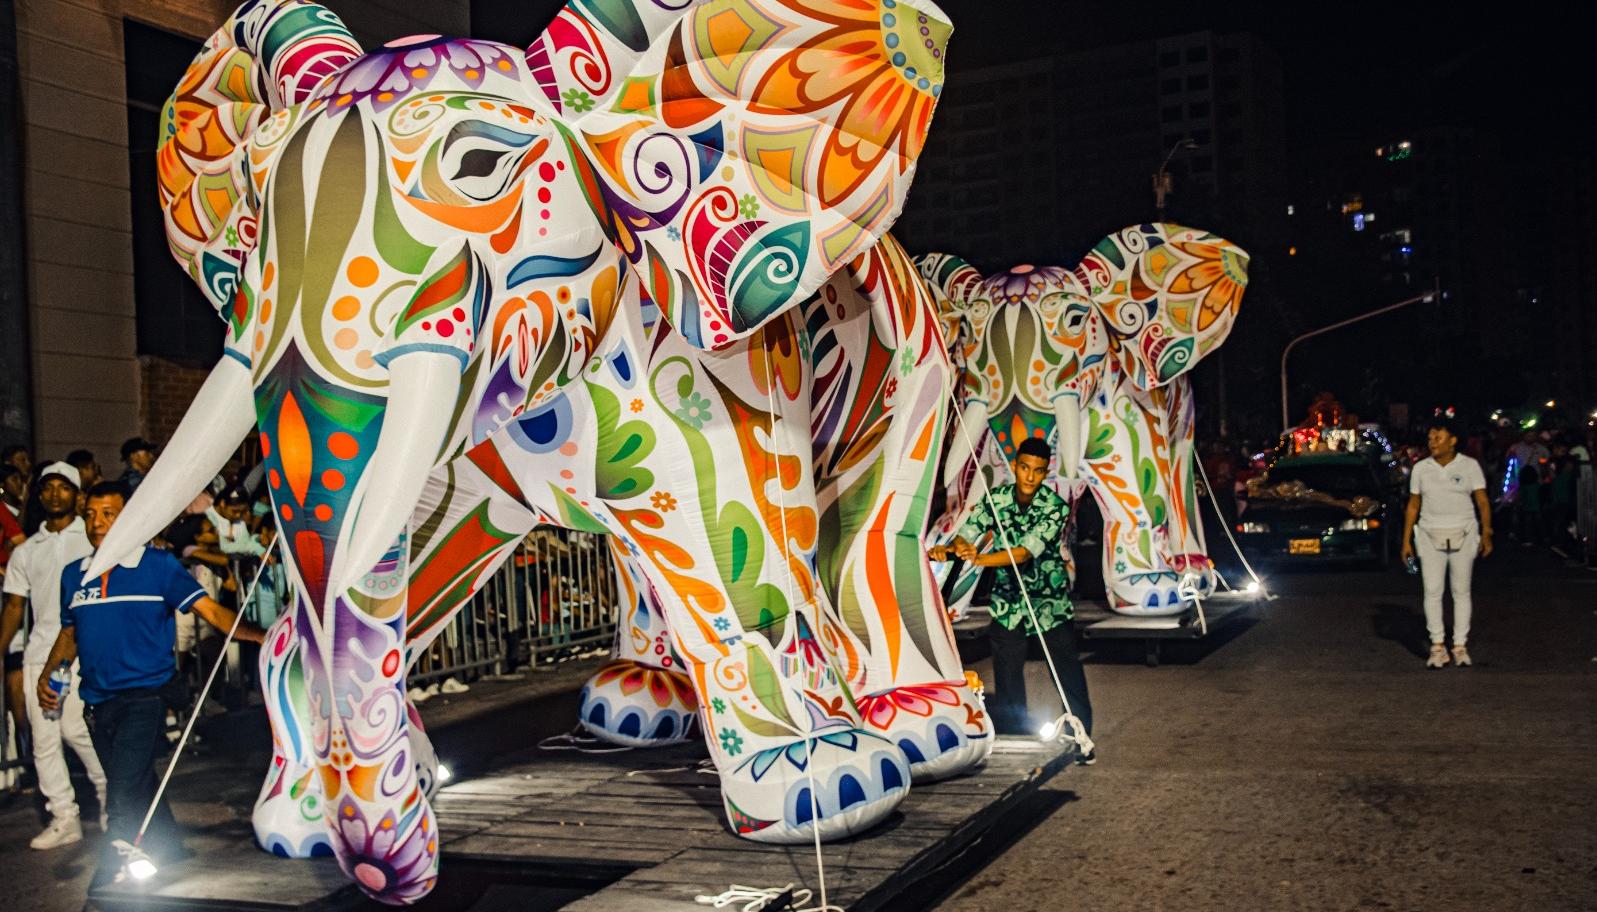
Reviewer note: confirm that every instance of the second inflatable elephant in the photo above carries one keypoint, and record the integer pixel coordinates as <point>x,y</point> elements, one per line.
<point>1095,357</point>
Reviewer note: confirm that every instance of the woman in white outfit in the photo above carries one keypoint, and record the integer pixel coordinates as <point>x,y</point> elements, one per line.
<point>1447,504</point>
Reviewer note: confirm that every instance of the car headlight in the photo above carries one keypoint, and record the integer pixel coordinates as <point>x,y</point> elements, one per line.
<point>1255,527</point>
<point>1358,525</point>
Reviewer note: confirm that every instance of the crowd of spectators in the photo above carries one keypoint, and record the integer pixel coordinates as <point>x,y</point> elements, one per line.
<point>221,540</point>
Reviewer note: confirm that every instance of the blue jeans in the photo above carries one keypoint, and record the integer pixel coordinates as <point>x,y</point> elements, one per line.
<point>129,733</point>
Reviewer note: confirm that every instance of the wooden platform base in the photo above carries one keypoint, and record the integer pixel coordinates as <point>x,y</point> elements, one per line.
<point>639,831</point>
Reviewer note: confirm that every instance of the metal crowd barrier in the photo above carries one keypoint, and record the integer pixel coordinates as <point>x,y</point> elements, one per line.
<point>554,600</point>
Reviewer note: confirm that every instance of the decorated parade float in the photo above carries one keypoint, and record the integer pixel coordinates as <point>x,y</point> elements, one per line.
<point>633,279</point>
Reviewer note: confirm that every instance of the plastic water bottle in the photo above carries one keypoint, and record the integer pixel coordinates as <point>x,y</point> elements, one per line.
<point>60,685</point>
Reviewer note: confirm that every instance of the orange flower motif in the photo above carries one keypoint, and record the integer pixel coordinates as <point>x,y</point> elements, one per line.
<point>887,92</point>
<point>637,405</point>
<point>1219,276</point>
<point>663,502</point>
<point>668,688</point>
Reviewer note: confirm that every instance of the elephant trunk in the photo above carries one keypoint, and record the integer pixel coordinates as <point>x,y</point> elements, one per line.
<point>222,413</point>
<point>346,469</point>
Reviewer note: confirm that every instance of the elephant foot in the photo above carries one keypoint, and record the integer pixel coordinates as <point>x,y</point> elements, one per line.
<point>942,728</point>
<point>288,819</point>
<point>858,778</point>
<point>1161,593</point>
<point>638,705</point>
<point>394,859</point>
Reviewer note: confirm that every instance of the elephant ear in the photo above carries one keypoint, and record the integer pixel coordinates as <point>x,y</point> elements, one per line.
<point>739,152</point>
<point>267,58</point>
<point>1168,295</point>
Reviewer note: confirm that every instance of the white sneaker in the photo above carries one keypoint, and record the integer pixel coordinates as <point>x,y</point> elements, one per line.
<point>61,831</point>
<point>417,695</point>
<point>1438,658</point>
<point>452,686</point>
<point>1461,656</point>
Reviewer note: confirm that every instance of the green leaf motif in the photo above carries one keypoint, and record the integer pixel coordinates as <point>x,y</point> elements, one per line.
<point>622,447</point>
<point>767,686</point>
<point>1100,433</point>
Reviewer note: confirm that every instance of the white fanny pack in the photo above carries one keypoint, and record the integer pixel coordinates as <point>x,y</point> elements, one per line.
<point>1449,540</point>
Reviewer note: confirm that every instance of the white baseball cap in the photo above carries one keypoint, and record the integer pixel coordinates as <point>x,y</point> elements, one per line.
<point>65,470</point>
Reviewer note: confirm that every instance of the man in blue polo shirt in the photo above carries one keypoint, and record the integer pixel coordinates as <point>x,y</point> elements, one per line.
<point>121,626</point>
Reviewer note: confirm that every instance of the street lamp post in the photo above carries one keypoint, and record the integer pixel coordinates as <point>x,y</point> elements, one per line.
<point>1431,295</point>
<point>1161,178</point>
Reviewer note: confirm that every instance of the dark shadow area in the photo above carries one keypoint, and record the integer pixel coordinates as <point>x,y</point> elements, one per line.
<point>476,886</point>
<point>931,890</point>
<point>1168,650</point>
<point>1402,624</point>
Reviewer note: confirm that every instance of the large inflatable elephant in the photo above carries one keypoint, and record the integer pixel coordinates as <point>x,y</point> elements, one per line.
<point>1095,357</point>
<point>472,288</point>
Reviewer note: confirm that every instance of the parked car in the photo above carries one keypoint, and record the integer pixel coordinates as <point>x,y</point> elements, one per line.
<point>1321,508</point>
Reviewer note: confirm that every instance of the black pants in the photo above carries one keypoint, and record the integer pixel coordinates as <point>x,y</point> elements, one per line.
<point>1008,706</point>
<point>129,732</point>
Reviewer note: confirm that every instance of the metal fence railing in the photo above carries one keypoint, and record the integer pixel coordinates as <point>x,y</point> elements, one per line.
<point>553,601</point>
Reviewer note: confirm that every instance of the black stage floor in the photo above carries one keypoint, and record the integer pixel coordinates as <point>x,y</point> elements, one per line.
<point>624,832</point>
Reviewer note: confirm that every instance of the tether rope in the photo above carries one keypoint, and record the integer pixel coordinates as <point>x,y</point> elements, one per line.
<point>781,512</point>
<point>199,705</point>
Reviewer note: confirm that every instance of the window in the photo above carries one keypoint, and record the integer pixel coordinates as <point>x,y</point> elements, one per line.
<point>1202,164</point>
<point>1170,58</point>
<point>1198,109</point>
<point>1169,113</point>
<point>173,319</point>
<point>1170,85</point>
<point>1202,137</point>
<point>1198,54</point>
<point>1230,55</point>
<point>1199,81</point>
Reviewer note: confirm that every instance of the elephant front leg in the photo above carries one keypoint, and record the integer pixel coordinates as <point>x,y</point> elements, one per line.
<point>641,697</point>
<point>379,820</point>
<point>287,818</point>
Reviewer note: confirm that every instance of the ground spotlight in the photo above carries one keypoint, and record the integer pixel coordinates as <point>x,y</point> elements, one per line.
<point>135,861</point>
<point>1253,587</point>
<point>444,775</point>
<point>1048,731</point>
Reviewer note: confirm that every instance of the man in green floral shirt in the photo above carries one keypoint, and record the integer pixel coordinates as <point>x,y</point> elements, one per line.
<point>1033,517</point>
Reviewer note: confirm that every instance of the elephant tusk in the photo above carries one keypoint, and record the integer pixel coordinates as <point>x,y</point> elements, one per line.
<point>967,437</point>
<point>222,413</point>
<point>422,388</point>
<point>1067,422</point>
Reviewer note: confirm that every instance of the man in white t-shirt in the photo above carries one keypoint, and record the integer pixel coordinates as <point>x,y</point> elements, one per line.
<point>1447,505</point>
<point>34,578</point>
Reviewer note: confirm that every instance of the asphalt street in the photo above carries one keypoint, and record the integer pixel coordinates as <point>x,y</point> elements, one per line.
<point>1309,761</point>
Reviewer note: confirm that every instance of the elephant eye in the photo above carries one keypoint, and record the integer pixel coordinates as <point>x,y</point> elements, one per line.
<point>479,163</point>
